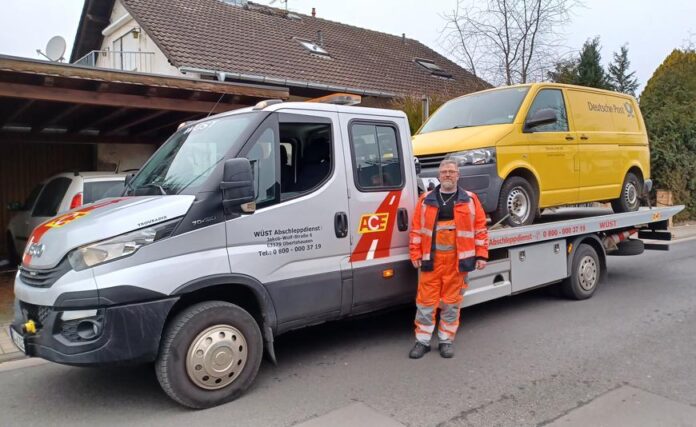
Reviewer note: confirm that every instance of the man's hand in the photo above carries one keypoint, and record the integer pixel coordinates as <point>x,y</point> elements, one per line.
<point>480,264</point>
<point>416,263</point>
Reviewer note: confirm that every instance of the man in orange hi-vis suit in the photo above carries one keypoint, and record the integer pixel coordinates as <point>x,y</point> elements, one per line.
<point>448,239</point>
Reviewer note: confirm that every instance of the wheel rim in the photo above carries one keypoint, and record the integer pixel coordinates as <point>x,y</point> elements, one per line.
<point>587,273</point>
<point>216,357</point>
<point>631,194</point>
<point>518,204</point>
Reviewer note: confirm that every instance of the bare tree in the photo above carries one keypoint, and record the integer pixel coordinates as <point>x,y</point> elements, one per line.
<point>507,41</point>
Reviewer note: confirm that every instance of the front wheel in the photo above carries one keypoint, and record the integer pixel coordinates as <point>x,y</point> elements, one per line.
<point>210,354</point>
<point>12,253</point>
<point>629,200</point>
<point>519,200</point>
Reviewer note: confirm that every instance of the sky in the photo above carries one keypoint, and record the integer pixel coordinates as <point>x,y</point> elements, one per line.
<point>651,29</point>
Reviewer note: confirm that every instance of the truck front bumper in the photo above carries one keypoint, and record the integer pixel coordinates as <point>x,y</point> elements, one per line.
<point>92,337</point>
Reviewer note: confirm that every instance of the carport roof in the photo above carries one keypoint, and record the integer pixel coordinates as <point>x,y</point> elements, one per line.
<point>50,102</point>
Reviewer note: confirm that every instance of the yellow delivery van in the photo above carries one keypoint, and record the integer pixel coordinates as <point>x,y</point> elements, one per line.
<point>527,147</point>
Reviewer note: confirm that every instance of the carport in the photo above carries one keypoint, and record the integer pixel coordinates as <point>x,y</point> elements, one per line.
<point>59,117</point>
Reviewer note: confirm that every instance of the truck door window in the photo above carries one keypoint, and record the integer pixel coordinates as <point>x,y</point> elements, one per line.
<point>306,157</point>
<point>377,161</point>
<point>262,157</point>
<point>553,99</point>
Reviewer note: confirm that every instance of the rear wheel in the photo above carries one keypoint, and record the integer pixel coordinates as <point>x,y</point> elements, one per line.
<point>629,200</point>
<point>585,274</point>
<point>519,200</point>
<point>210,354</point>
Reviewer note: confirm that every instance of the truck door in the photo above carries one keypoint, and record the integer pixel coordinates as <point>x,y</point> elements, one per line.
<point>291,243</point>
<point>381,188</point>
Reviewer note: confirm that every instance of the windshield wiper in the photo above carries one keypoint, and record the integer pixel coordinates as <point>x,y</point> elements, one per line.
<point>461,126</point>
<point>152,185</point>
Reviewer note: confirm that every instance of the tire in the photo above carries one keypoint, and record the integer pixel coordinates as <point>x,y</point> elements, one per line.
<point>629,247</point>
<point>198,381</point>
<point>516,195</point>
<point>585,274</point>
<point>12,254</point>
<point>631,191</point>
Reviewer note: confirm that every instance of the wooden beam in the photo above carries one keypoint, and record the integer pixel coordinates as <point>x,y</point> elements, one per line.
<point>18,112</point>
<point>88,97</point>
<point>55,119</point>
<point>173,123</point>
<point>130,124</point>
<point>73,138</point>
<point>102,119</point>
<point>126,77</point>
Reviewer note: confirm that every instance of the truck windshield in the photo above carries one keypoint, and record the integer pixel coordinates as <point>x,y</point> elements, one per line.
<point>189,156</point>
<point>478,109</point>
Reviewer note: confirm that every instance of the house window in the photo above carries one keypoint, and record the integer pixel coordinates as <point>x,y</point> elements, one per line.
<point>433,68</point>
<point>313,47</point>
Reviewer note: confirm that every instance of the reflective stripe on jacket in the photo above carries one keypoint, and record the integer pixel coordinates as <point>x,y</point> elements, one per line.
<point>470,224</point>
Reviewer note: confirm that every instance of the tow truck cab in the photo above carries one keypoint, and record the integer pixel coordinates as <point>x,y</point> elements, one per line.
<point>285,214</point>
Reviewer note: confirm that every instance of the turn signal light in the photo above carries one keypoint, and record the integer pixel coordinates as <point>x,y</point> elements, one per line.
<point>76,201</point>
<point>388,274</point>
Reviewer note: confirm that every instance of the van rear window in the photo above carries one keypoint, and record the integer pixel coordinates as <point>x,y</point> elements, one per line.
<point>97,190</point>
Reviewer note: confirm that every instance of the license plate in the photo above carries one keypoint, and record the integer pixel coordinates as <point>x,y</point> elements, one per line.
<point>430,180</point>
<point>17,339</point>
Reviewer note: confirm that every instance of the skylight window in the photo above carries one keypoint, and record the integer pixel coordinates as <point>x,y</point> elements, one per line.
<point>313,47</point>
<point>433,68</point>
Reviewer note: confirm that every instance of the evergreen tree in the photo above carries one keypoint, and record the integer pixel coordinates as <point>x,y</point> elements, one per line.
<point>590,70</point>
<point>619,77</point>
<point>668,104</point>
<point>564,72</point>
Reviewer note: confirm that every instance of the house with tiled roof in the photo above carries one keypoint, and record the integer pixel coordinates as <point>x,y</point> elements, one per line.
<point>240,41</point>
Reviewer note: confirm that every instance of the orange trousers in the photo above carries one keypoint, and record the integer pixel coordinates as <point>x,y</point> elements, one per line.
<point>440,288</point>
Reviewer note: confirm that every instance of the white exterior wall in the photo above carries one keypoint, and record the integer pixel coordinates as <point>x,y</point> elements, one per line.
<point>157,63</point>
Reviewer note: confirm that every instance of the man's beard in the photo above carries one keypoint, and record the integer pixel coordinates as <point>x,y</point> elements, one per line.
<point>448,186</point>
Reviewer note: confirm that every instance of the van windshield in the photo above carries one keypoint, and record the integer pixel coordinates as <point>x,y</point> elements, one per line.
<point>479,109</point>
<point>190,156</point>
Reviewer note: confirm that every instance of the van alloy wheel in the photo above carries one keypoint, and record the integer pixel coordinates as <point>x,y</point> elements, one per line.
<point>216,357</point>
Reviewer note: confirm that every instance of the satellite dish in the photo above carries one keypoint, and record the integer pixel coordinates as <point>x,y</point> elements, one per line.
<point>55,48</point>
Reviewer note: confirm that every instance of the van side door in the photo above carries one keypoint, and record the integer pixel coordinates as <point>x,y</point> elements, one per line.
<point>552,150</point>
<point>380,175</point>
<point>290,244</point>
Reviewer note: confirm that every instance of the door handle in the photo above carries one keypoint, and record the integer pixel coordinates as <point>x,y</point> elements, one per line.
<point>584,137</point>
<point>569,138</point>
<point>402,219</point>
<point>341,224</point>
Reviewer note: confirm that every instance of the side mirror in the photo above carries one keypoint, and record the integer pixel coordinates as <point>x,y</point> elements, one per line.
<point>418,165</point>
<point>14,206</point>
<point>238,186</point>
<point>541,117</point>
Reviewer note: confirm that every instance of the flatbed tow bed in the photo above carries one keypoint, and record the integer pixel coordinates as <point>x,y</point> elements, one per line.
<point>569,246</point>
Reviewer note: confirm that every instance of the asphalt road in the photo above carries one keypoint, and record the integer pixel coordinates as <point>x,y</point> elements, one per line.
<point>532,359</point>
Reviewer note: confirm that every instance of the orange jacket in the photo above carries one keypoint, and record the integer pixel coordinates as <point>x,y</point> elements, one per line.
<point>470,224</point>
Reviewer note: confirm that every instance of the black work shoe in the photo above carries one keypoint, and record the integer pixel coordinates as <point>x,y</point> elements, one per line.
<point>418,350</point>
<point>446,350</point>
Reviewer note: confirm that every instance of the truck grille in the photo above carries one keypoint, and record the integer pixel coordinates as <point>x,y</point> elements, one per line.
<point>43,278</point>
<point>37,313</point>
<point>431,160</point>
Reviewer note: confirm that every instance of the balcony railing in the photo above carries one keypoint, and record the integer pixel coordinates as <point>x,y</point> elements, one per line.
<point>118,60</point>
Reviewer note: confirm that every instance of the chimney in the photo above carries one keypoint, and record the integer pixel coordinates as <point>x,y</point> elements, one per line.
<point>320,38</point>
<point>403,38</point>
<point>314,12</point>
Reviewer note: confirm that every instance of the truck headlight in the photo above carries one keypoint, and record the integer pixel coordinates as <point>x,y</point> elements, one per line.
<point>480,156</point>
<point>120,246</point>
